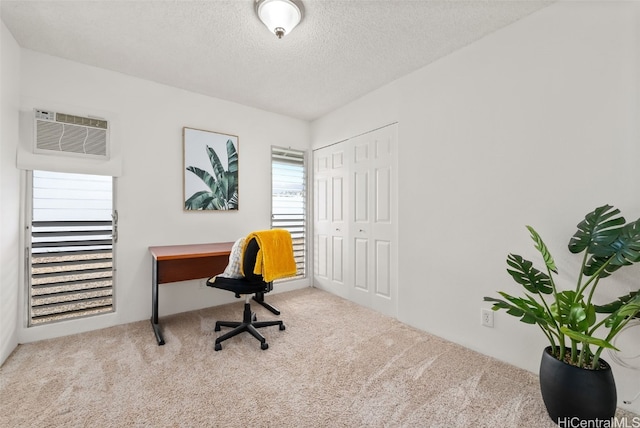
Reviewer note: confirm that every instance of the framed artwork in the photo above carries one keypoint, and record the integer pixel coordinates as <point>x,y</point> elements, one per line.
<point>210,170</point>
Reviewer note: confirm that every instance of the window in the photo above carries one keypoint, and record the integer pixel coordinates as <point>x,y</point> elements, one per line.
<point>72,233</point>
<point>288,199</point>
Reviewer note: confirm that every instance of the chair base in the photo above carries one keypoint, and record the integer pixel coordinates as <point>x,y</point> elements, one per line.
<point>259,298</point>
<point>248,324</point>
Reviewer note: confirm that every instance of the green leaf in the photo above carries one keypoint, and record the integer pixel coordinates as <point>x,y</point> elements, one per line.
<point>230,185</point>
<point>218,169</point>
<point>233,202</point>
<point>204,176</point>
<point>577,314</point>
<point>627,245</point>
<point>611,307</point>
<point>525,274</point>
<point>528,310</point>
<point>232,154</point>
<point>594,264</point>
<point>223,182</point>
<point>630,309</point>
<point>544,251</point>
<point>597,231</point>
<point>591,315</point>
<point>218,204</point>
<point>198,201</point>
<point>624,250</point>
<point>581,317</point>
<point>581,337</point>
<point>561,309</point>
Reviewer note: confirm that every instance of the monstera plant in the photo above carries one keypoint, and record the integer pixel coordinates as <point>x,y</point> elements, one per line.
<point>568,317</point>
<point>574,381</point>
<point>223,185</point>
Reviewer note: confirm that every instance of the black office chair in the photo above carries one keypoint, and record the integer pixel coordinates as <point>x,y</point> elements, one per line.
<point>250,284</point>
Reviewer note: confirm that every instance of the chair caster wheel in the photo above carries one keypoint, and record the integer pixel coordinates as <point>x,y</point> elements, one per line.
<point>282,327</point>
<point>217,328</point>
<point>264,346</point>
<point>255,318</point>
<point>218,347</point>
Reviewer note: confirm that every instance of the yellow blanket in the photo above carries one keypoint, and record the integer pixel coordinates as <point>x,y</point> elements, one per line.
<point>275,257</point>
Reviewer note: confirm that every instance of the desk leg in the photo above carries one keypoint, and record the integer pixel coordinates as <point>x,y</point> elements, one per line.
<point>154,302</point>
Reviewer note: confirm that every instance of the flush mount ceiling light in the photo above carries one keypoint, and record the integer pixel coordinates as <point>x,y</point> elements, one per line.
<point>280,16</point>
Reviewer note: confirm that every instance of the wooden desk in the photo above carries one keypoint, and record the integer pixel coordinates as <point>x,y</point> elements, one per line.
<point>174,263</point>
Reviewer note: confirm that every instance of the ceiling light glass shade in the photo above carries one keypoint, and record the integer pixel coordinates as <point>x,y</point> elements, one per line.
<point>280,16</point>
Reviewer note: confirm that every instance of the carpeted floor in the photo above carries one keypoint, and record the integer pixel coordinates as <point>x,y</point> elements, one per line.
<point>336,365</point>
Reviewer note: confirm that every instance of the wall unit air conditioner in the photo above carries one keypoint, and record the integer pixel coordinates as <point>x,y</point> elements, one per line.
<point>60,133</point>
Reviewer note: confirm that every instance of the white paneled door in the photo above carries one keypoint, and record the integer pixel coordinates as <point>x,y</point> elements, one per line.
<point>330,220</point>
<point>356,219</point>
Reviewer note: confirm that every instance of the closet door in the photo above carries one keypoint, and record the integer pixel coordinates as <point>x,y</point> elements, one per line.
<point>330,219</point>
<point>372,220</point>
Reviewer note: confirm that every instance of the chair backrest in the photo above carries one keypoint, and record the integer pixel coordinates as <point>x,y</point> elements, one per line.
<point>249,261</point>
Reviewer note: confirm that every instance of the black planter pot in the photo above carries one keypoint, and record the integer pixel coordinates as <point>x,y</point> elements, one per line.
<point>571,392</point>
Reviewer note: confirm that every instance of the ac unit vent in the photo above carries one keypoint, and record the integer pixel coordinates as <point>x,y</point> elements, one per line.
<point>69,134</point>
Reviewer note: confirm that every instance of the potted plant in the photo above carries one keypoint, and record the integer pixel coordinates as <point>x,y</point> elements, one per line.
<point>575,381</point>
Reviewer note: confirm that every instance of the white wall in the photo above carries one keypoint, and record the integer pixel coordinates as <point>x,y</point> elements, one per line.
<point>535,124</point>
<point>372,111</point>
<point>148,119</point>
<point>9,191</point>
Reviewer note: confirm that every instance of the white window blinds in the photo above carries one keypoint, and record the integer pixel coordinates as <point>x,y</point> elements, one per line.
<point>288,201</point>
<point>72,237</point>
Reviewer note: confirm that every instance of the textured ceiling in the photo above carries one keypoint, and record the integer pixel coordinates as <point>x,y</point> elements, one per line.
<point>341,50</point>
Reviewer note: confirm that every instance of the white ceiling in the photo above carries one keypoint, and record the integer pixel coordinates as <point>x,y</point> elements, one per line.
<point>341,50</point>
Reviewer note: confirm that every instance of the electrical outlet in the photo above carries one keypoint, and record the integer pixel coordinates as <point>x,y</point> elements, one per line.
<point>487,317</point>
